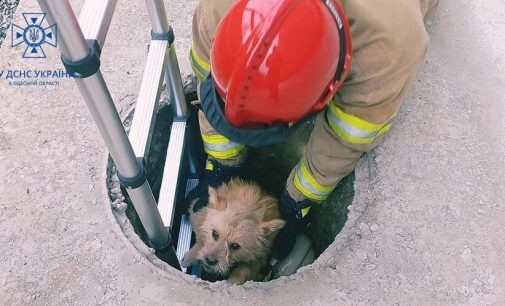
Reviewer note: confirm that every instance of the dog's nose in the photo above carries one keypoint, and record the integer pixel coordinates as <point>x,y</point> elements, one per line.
<point>210,261</point>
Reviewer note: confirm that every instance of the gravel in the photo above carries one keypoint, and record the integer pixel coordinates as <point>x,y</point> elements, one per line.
<point>7,9</point>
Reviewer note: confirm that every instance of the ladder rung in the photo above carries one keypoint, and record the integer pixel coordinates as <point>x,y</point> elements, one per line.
<point>95,19</point>
<point>147,104</point>
<point>184,241</point>
<point>185,230</point>
<point>171,171</point>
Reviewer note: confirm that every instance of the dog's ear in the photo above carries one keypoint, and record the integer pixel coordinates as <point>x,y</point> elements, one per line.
<point>215,201</point>
<point>272,226</point>
<point>213,197</point>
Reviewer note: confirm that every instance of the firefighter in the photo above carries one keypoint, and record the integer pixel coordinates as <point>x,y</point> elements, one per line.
<point>263,65</point>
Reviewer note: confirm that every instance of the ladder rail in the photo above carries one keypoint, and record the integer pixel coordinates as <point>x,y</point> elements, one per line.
<point>157,16</point>
<point>160,26</point>
<point>71,39</point>
<point>174,84</point>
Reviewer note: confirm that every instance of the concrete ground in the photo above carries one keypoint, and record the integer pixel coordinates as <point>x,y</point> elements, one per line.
<point>426,225</point>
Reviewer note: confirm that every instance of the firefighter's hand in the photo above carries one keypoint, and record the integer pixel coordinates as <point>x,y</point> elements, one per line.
<point>295,223</point>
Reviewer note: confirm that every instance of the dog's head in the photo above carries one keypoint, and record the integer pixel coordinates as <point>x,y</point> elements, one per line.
<point>240,224</point>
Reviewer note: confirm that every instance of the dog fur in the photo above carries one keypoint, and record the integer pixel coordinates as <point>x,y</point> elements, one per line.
<point>235,231</point>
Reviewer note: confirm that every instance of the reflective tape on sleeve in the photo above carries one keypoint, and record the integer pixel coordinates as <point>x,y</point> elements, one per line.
<point>306,183</point>
<point>219,146</point>
<point>199,66</point>
<point>354,129</point>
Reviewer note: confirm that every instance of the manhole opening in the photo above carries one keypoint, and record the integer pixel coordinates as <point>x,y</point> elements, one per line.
<point>268,166</point>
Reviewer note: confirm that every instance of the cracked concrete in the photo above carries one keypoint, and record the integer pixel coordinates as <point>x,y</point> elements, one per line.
<point>426,225</point>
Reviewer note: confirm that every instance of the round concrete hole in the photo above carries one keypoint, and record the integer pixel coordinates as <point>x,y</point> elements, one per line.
<point>269,166</point>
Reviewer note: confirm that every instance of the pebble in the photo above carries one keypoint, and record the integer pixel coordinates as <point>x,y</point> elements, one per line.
<point>363,226</point>
<point>119,205</point>
<point>122,207</point>
<point>491,280</point>
<point>374,227</point>
<point>371,267</point>
<point>477,282</point>
<point>114,178</point>
<point>116,190</point>
<point>7,8</point>
<point>361,255</point>
<point>466,291</point>
<point>466,254</point>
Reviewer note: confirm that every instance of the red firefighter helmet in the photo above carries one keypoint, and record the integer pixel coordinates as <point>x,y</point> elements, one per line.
<point>277,61</point>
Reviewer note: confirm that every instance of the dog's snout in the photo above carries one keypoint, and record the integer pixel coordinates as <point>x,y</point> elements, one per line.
<point>211,261</point>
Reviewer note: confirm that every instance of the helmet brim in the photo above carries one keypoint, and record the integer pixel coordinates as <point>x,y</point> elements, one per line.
<point>213,108</point>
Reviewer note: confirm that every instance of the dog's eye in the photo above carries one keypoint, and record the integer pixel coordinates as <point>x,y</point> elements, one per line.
<point>215,235</point>
<point>234,246</point>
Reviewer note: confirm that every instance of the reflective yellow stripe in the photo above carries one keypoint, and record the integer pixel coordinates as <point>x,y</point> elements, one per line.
<point>306,183</point>
<point>219,146</point>
<point>226,154</point>
<point>354,129</point>
<point>200,67</point>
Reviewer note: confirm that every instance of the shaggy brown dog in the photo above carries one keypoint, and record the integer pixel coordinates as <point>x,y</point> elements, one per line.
<point>234,232</point>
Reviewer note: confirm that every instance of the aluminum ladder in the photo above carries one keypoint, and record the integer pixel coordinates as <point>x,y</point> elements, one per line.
<point>80,42</point>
